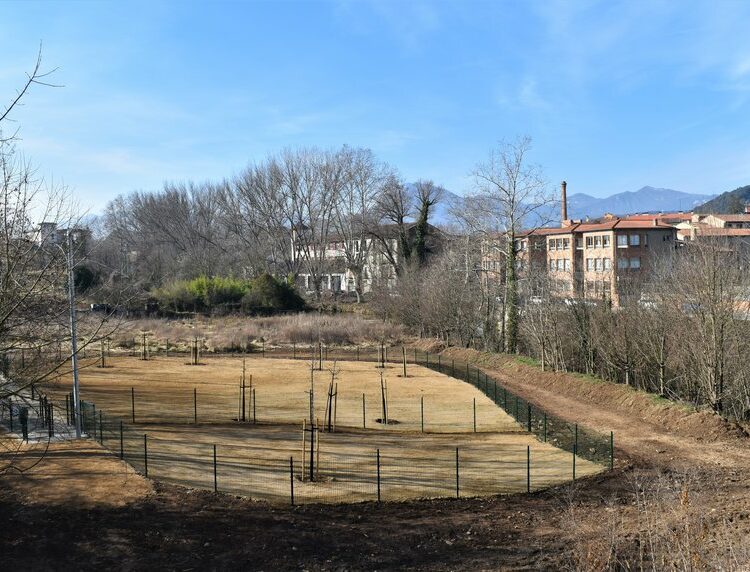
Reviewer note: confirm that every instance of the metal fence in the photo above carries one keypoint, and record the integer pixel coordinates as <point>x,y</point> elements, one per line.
<point>283,476</point>
<point>164,447</point>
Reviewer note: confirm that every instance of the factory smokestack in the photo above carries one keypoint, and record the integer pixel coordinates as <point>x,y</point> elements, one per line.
<point>564,201</point>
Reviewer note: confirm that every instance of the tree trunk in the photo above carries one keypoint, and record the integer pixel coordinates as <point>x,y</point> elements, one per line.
<point>510,320</point>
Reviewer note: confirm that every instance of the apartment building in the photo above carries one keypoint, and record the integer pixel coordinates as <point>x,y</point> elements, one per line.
<point>378,254</point>
<point>606,259</point>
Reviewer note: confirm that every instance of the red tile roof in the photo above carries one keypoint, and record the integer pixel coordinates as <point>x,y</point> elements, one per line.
<point>706,230</point>
<point>745,217</point>
<point>660,216</point>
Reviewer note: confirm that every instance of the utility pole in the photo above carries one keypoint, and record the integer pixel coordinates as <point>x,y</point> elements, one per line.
<point>73,338</point>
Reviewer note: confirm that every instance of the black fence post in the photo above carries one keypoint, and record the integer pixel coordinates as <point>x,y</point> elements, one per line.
<point>377,457</point>
<point>421,403</point>
<point>216,482</point>
<point>528,468</point>
<point>475,415</point>
<point>611,450</point>
<point>101,428</point>
<point>364,413</point>
<point>357,353</point>
<point>255,419</point>
<point>145,455</point>
<point>291,479</point>
<point>67,409</point>
<point>195,405</point>
<point>51,421</point>
<point>122,448</point>
<point>575,451</point>
<point>457,475</point>
<point>132,403</point>
<point>575,441</point>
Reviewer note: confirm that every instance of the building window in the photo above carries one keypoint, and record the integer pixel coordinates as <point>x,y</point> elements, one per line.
<point>622,263</point>
<point>645,240</point>
<point>559,243</point>
<point>607,264</point>
<point>598,264</point>
<point>597,241</point>
<point>560,264</point>
<point>635,240</point>
<point>552,244</point>
<point>635,263</point>
<point>605,241</point>
<point>552,265</point>
<point>589,242</point>
<point>567,264</point>
<point>566,243</point>
<point>589,264</point>
<point>579,243</point>
<point>622,241</point>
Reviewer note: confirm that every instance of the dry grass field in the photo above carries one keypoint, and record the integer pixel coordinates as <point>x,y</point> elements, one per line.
<point>253,459</point>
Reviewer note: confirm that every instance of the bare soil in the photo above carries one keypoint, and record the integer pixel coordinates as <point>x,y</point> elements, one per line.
<point>177,528</point>
<point>260,459</point>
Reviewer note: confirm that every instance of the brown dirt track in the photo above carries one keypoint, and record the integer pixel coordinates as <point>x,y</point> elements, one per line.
<point>173,528</point>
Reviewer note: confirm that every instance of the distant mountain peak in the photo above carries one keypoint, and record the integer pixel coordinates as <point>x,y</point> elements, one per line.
<point>645,199</point>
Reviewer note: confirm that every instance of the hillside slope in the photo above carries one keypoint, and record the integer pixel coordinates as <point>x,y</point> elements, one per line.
<point>731,202</point>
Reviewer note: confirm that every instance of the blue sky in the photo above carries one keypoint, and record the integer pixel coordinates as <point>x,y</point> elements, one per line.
<point>615,95</point>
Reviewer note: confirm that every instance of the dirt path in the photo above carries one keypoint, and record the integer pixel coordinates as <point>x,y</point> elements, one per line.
<point>649,431</point>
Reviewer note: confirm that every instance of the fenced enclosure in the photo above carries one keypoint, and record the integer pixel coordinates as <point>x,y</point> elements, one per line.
<point>445,438</point>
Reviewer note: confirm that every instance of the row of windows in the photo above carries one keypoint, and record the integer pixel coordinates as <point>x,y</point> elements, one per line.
<point>560,265</point>
<point>634,263</point>
<point>598,241</point>
<point>625,240</point>
<point>598,264</point>
<point>558,244</point>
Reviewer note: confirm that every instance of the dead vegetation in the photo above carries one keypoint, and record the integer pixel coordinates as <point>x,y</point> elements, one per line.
<point>236,333</point>
<point>664,521</point>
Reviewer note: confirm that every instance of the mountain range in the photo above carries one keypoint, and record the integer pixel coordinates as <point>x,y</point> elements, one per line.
<point>644,200</point>
<point>580,205</point>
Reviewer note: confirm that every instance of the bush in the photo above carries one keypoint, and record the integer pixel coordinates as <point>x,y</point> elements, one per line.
<point>265,294</point>
<point>85,279</point>
<point>268,295</point>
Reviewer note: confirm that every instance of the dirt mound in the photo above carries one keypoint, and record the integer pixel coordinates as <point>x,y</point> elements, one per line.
<point>431,345</point>
<point>678,418</point>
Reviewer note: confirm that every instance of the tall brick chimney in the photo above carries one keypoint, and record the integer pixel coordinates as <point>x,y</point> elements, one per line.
<point>564,203</point>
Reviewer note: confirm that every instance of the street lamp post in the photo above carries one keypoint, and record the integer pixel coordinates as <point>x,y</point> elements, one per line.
<point>73,337</point>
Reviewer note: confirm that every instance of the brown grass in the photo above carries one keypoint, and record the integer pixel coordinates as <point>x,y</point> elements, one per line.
<point>254,458</point>
<point>234,333</point>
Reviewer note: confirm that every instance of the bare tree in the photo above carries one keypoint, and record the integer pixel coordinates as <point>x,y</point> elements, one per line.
<point>355,210</point>
<point>509,192</point>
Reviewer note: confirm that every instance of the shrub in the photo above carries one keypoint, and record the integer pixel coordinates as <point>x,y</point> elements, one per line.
<point>268,295</point>
<point>265,294</point>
